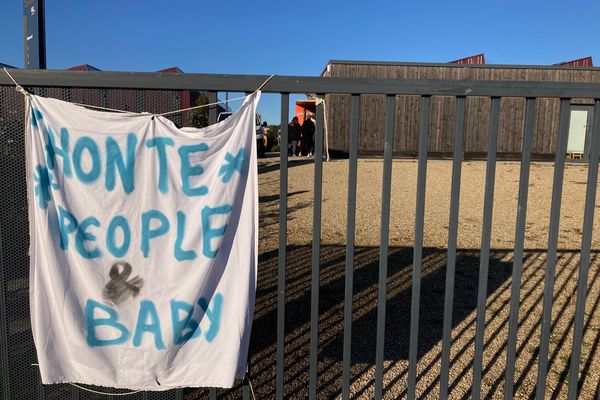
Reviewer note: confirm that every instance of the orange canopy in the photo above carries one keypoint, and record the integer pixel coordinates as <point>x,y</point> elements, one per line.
<point>304,106</point>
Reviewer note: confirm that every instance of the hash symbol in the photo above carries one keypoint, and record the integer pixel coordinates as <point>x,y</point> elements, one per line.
<point>233,164</point>
<point>45,182</point>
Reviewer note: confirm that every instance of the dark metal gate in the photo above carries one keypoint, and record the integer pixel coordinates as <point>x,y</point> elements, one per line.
<point>156,92</point>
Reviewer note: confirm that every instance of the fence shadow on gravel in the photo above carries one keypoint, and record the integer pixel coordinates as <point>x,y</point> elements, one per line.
<point>297,321</point>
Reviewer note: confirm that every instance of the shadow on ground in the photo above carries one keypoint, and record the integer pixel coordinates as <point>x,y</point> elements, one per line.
<point>399,288</point>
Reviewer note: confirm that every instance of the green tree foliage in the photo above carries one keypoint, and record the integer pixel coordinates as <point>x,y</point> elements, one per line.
<point>273,132</point>
<point>199,117</point>
<point>272,135</point>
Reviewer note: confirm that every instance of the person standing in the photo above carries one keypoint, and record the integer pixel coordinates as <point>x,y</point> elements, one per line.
<point>308,135</point>
<point>265,130</point>
<point>261,142</point>
<point>294,134</point>
<point>312,143</point>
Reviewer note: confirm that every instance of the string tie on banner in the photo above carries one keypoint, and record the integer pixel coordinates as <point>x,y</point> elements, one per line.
<point>95,391</point>
<point>215,103</point>
<point>18,87</point>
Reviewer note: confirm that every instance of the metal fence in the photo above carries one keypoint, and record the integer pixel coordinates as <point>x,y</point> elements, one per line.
<point>158,92</point>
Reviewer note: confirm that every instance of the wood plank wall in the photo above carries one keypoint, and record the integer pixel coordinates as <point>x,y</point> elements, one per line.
<point>442,117</point>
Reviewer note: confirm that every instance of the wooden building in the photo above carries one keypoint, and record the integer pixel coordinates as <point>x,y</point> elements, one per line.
<point>442,116</point>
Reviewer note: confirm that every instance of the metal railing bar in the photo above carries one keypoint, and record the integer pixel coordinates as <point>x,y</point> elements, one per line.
<point>75,393</point>
<point>559,171</point>
<point>316,251</point>
<point>452,238</point>
<point>140,105</point>
<point>283,187</point>
<point>178,394</point>
<point>590,358</point>
<point>586,244</point>
<point>212,110</point>
<point>383,248</point>
<point>298,84</point>
<point>350,234</point>
<point>518,253</point>
<point>212,119</point>
<point>418,248</point>
<point>486,233</point>
<point>4,353</point>
<point>39,389</point>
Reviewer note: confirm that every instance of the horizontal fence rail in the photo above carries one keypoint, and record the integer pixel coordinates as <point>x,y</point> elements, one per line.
<point>297,84</point>
<point>315,272</point>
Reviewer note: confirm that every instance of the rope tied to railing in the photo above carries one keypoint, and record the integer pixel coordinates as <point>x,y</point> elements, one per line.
<point>18,87</point>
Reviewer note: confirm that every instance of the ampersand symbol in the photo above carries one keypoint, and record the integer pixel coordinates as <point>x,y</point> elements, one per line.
<point>119,288</point>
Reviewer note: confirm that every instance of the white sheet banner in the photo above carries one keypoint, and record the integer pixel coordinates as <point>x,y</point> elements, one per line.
<point>143,246</point>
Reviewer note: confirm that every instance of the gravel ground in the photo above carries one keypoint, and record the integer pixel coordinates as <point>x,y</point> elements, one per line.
<point>368,212</point>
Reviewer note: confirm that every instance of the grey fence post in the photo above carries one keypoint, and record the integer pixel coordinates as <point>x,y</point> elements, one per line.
<point>486,234</point>
<point>350,233</point>
<point>384,243</point>
<point>557,185</point>
<point>283,186</point>
<point>316,254</point>
<point>513,322</point>
<point>452,237</point>
<point>586,244</point>
<point>418,248</point>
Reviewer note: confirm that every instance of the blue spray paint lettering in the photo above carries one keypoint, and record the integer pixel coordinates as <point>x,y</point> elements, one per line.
<point>180,254</point>
<point>114,161</point>
<point>186,328</point>
<point>209,233</point>
<point>83,236</point>
<point>67,224</point>
<point>147,309</point>
<point>160,143</point>
<point>111,241</point>
<point>52,150</point>
<point>87,143</point>
<point>44,182</point>
<point>214,315</point>
<point>232,164</point>
<point>112,321</point>
<point>188,170</point>
<point>148,233</point>
<point>36,116</point>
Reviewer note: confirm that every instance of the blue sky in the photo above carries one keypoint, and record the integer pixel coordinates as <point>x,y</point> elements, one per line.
<point>293,38</point>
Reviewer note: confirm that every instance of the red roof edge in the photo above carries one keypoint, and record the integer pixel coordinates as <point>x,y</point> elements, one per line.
<point>476,59</point>
<point>176,70</point>
<point>580,62</point>
<point>83,67</point>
